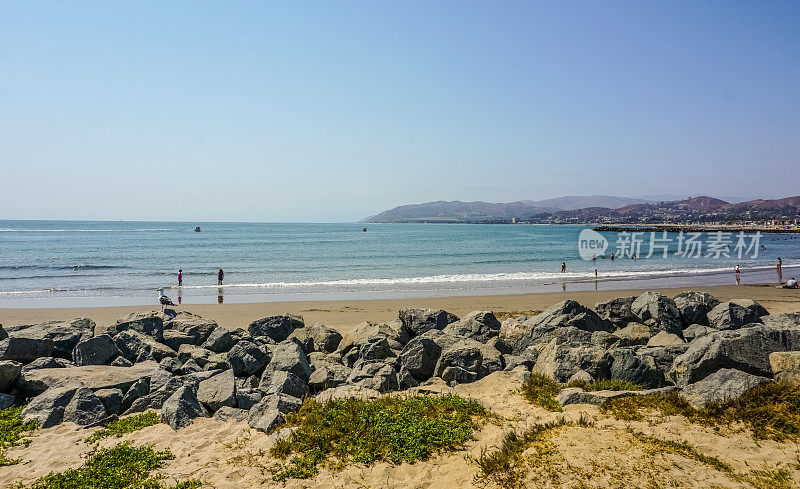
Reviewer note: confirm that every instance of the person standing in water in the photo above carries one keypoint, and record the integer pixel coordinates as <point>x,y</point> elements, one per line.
<point>780,262</point>
<point>738,277</point>
<point>180,277</point>
<point>563,267</point>
<point>220,276</point>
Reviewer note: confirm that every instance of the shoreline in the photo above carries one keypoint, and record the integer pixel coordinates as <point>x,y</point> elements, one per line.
<point>345,314</point>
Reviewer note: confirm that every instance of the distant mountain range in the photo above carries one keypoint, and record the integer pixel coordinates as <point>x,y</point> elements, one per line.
<point>595,208</point>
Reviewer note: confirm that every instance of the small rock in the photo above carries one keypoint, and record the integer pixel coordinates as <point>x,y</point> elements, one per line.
<point>227,413</point>
<point>84,408</point>
<point>662,338</point>
<point>181,408</point>
<point>218,391</point>
<point>246,358</point>
<point>724,384</point>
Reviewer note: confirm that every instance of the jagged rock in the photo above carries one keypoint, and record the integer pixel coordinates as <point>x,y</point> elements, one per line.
<point>150,324</point>
<point>268,413</point>
<point>94,377</point>
<point>419,321</point>
<point>195,326</point>
<point>694,307</point>
<point>277,328</point>
<point>642,370</point>
<point>617,311</point>
<point>217,361</point>
<point>181,408</point>
<point>661,309</point>
<point>581,376</point>
<point>374,375</point>
<point>171,365</point>
<point>47,409</point>
<point>227,413</point>
<point>248,397</point>
<point>25,350</point>
<point>111,399</point>
<point>218,391</point>
<point>471,356</point>
<point>283,382</point>
<point>735,314</point>
<point>246,358</point>
<point>632,334</point>
<point>121,362</point>
<point>84,408</point>
<point>199,354</point>
<point>345,391</point>
<point>513,361</point>
<point>3,333</point>
<point>477,325</point>
<point>376,348</point>
<point>662,338</point>
<point>317,337</point>
<point>139,389</point>
<point>405,380</point>
<point>64,334</point>
<point>782,321</point>
<point>289,357</point>
<point>560,362</point>
<point>47,362</point>
<point>366,330</point>
<point>99,350</point>
<point>695,331</point>
<point>576,395</point>
<point>9,373</point>
<point>190,367</point>
<point>513,328</point>
<point>7,401</point>
<point>724,384</point>
<point>500,345</point>
<point>328,376</point>
<point>604,339</point>
<point>174,339</point>
<point>134,346</point>
<point>745,349</point>
<point>663,357</point>
<point>567,321</point>
<point>219,341</point>
<point>786,366</point>
<point>420,356</point>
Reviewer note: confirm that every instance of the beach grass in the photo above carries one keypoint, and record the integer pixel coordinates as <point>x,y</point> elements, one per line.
<point>125,425</point>
<point>393,428</point>
<point>123,466</point>
<point>12,432</point>
<point>606,385</point>
<point>541,391</point>
<point>770,410</point>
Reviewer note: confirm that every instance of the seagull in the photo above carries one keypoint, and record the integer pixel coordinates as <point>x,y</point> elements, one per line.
<point>163,299</point>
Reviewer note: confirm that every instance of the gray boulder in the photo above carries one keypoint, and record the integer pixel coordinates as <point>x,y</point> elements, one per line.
<point>99,350</point>
<point>47,362</point>
<point>724,384</point>
<point>287,357</point>
<point>121,361</point>
<point>420,356</point>
<point>218,391</point>
<point>246,398</point>
<point>661,310</point>
<point>268,413</point>
<point>363,332</point>
<point>3,333</point>
<point>136,346</point>
<point>662,338</point>
<point>192,325</point>
<point>376,348</point>
<point>284,382</point>
<point>25,350</point>
<point>642,370</point>
<point>85,408</point>
<point>419,321</point>
<point>227,413</point>
<point>47,409</point>
<point>478,325</point>
<point>277,328</point>
<point>174,339</point>
<point>735,314</point>
<point>694,307</point>
<point>9,373</point>
<point>181,408</point>
<point>328,376</point>
<point>219,341</point>
<point>632,334</point>
<point>317,337</point>
<point>617,311</point>
<point>376,375</point>
<point>567,321</point>
<point>139,389</point>
<point>560,362</point>
<point>64,334</point>
<point>786,366</point>
<point>246,358</point>
<point>94,377</point>
<point>475,359</point>
<point>190,367</point>
<point>695,331</point>
<point>7,401</point>
<point>150,324</point>
<point>200,355</point>
<point>111,399</point>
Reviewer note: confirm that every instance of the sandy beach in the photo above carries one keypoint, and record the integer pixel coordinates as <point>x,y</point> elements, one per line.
<point>344,314</point>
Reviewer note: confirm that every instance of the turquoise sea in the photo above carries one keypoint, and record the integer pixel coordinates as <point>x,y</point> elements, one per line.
<point>58,263</point>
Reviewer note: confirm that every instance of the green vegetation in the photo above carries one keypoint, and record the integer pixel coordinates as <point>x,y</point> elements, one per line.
<point>506,465</point>
<point>771,479</point>
<point>656,445</point>
<point>121,467</point>
<point>11,432</point>
<point>770,410</point>
<point>126,425</point>
<point>394,429</point>
<point>541,391</point>
<point>606,385</point>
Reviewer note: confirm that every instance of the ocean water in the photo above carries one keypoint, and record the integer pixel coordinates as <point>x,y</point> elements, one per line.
<point>58,263</point>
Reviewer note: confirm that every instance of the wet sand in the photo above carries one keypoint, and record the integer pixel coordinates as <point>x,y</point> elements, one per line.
<point>344,314</point>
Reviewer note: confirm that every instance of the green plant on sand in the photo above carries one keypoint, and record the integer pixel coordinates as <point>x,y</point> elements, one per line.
<point>12,430</point>
<point>126,425</point>
<point>541,391</point>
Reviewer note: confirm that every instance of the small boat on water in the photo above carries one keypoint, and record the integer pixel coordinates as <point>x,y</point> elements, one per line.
<point>197,229</point>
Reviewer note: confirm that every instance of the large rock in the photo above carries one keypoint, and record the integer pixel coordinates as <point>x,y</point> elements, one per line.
<point>660,311</point>
<point>317,337</point>
<point>99,350</point>
<point>695,331</point>
<point>3,333</point>
<point>246,358</point>
<point>288,357</point>
<point>47,409</point>
<point>192,325</point>
<point>284,382</point>
<point>85,408</point>
<point>735,314</point>
<point>111,399</point>
<point>139,389</point>
<point>365,331</point>
<point>560,362</point>
<point>277,328</point>
<point>468,360</point>
<point>745,349</point>
<point>175,339</point>
<point>268,413</point>
<point>420,356</point>
<point>513,328</point>
<point>218,391</point>
<point>64,334</point>
<point>694,307</point>
<point>478,325</point>
<point>25,349</point>
<point>150,324</point>
<point>566,320</point>
<point>662,338</point>
<point>642,370</point>
<point>219,341</point>
<point>94,377</point>
<point>576,395</point>
<point>724,384</point>
<point>47,362</point>
<point>786,366</point>
<point>328,376</point>
<point>200,355</point>
<point>9,373</point>
<point>617,311</point>
<point>246,398</point>
<point>225,414</point>
<point>632,334</point>
<point>376,348</point>
<point>376,375</point>
<point>419,321</point>
<point>136,346</point>
<point>181,408</point>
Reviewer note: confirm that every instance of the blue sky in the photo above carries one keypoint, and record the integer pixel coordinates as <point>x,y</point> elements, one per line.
<point>331,111</point>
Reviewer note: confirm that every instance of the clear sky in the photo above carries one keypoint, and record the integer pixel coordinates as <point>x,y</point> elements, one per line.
<point>332,111</point>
